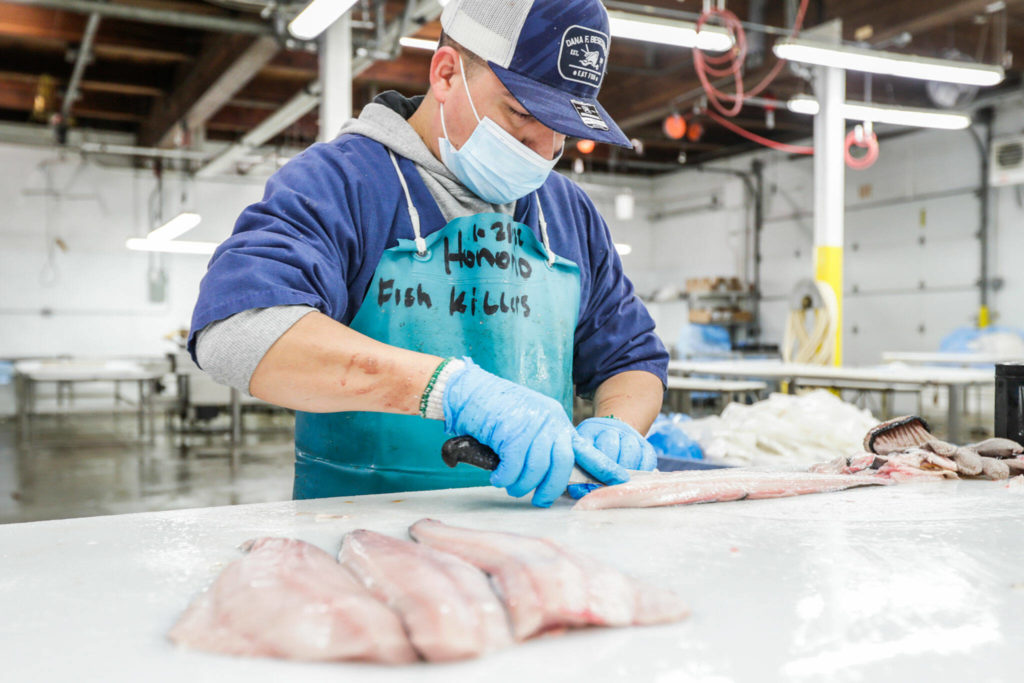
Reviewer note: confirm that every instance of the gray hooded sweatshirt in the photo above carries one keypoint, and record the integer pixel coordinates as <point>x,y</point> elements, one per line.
<point>230,349</point>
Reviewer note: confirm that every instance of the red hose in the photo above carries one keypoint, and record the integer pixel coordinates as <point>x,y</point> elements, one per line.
<point>870,144</point>
<point>731,64</point>
<point>780,146</point>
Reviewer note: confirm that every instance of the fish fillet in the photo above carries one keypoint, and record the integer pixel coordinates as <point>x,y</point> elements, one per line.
<point>546,587</point>
<point>292,600</point>
<point>710,486</point>
<point>447,605</point>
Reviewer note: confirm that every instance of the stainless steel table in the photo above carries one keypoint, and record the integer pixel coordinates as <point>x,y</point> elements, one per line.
<point>65,373</point>
<point>680,389</point>
<point>947,358</point>
<point>901,583</point>
<point>880,378</point>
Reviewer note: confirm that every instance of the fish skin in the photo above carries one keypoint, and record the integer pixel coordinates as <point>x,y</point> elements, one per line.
<point>709,486</point>
<point>939,447</point>
<point>994,468</point>
<point>446,604</point>
<point>291,600</point>
<point>546,587</point>
<point>998,448</point>
<point>968,461</point>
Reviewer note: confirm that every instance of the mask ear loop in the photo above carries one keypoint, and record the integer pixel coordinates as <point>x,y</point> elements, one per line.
<point>414,215</point>
<point>465,84</point>
<point>544,233</point>
<point>444,128</point>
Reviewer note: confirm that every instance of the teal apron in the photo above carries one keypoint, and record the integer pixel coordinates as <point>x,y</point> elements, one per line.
<point>482,286</point>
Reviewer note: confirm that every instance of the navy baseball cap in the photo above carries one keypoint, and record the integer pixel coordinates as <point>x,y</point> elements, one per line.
<point>550,54</point>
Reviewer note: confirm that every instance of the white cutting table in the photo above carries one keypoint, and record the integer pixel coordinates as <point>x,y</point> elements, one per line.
<point>680,390</point>
<point>64,373</point>
<point>901,583</point>
<point>946,358</point>
<point>881,378</point>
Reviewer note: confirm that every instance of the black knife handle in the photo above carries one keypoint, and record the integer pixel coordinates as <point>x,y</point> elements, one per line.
<point>470,451</point>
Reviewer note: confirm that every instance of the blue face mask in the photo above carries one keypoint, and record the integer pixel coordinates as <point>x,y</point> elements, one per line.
<point>493,164</point>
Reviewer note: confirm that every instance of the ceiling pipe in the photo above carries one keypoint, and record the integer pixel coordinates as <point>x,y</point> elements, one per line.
<point>309,97</point>
<point>149,15</point>
<point>81,60</point>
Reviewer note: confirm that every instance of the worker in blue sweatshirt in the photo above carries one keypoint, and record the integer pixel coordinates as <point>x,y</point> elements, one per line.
<point>425,275</point>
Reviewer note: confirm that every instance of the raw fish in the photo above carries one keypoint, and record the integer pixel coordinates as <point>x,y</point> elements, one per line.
<point>446,604</point>
<point>546,587</point>
<point>710,486</point>
<point>994,468</point>
<point>999,448</point>
<point>292,600</point>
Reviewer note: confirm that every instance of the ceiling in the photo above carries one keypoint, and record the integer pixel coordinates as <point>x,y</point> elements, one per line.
<point>221,67</point>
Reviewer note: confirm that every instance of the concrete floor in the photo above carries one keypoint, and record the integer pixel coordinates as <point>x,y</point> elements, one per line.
<point>94,464</point>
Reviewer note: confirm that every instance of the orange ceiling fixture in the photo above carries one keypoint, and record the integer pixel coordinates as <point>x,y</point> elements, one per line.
<point>585,146</point>
<point>674,126</point>
<point>695,131</point>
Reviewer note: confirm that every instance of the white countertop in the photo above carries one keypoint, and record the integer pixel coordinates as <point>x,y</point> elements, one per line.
<point>703,384</point>
<point>882,584</point>
<point>947,358</point>
<point>86,371</point>
<point>892,374</point>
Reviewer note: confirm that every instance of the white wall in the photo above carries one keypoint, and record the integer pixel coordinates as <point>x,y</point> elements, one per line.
<point>911,265</point>
<point>97,290</point>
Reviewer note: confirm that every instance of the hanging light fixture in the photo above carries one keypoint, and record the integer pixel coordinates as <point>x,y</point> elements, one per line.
<point>899,116</point>
<point>887,63</point>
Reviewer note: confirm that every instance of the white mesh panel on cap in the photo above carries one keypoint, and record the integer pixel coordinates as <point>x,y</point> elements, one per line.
<point>487,28</point>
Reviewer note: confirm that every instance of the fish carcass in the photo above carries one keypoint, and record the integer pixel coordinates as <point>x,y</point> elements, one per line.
<point>446,604</point>
<point>546,587</point>
<point>656,489</point>
<point>289,599</point>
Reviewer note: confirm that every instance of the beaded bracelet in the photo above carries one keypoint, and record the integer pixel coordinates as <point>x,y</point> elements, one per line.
<point>430,386</point>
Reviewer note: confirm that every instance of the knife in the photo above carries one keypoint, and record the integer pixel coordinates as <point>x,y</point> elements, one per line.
<point>468,450</point>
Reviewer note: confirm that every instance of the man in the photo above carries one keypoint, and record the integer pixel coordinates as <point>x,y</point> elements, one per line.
<point>426,266</point>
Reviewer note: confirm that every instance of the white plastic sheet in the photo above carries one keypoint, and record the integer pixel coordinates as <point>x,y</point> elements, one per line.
<point>783,430</point>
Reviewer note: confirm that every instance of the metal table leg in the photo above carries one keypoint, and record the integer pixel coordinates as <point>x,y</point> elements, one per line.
<point>236,426</point>
<point>142,408</point>
<point>953,417</point>
<point>21,401</point>
<point>151,392</point>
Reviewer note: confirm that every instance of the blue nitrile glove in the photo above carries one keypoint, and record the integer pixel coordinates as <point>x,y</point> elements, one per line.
<point>620,442</point>
<point>528,430</point>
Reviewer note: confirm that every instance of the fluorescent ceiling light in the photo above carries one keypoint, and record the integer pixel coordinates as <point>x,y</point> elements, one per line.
<point>899,116</point>
<point>623,249</point>
<point>888,63</point>
<point>317,16</point>
<point>171,246</point>
<point>418,43</point>
<point>668,32</point>
<point>176,227</point>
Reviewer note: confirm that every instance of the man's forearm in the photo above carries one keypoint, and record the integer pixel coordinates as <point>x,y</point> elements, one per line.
<point>633,397</point>
<point>322,366</point>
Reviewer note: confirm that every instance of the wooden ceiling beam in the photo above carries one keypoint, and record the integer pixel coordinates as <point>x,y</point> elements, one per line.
<point>224,66</point>
<point>88,85</point>
<point>18,94</point>
<point>240,120</point>
<point>908,15</point>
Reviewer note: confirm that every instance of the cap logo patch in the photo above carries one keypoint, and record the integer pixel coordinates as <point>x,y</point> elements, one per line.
<point>582,56</point>
<point>589,114</point>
